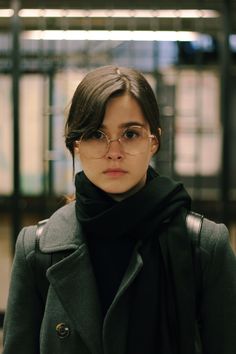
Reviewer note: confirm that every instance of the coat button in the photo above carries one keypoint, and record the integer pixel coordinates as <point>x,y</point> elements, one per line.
<point>62,330</point>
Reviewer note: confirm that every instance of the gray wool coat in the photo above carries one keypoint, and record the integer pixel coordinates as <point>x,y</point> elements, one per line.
<point>71,322</point>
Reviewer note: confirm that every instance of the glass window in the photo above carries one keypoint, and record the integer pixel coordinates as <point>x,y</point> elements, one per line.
<point>197,126</point>
<point>32,133</point>
<point>6,128</point>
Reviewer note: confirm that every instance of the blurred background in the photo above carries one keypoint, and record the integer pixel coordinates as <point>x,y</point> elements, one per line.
<point>187,51</point>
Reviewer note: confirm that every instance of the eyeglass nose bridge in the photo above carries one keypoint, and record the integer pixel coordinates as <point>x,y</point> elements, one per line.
<point>109,141</point>
<point>112,140</point>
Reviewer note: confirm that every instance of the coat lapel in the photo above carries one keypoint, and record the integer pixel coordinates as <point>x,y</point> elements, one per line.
<point>72,278</point>
<point>74,283</point>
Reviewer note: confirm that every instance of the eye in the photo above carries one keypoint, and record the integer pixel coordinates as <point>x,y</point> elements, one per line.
<point>132,133</point>
<point>96,135</point>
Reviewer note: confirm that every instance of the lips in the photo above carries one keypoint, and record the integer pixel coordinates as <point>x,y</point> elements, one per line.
<point>115,172</point>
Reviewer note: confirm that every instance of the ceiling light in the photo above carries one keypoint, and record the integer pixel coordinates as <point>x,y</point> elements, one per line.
<point>42,13</point>
<point>118,13</point>
<point>112,35</point>
<point>6,12</point>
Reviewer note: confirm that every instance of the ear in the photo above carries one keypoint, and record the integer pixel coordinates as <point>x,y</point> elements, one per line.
<point>154,146</point>
<point>76,147</point>
<point>155,142</point>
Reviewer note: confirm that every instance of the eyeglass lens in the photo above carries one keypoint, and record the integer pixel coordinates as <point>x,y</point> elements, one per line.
<point>133,141</point>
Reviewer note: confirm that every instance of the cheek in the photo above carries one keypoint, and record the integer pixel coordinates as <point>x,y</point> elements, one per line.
<point>86,165</point>
<point>146,158</point>
<point>138,165</point>
<point>91,168</point>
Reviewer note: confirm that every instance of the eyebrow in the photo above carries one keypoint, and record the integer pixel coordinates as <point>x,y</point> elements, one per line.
<point>126,124</point>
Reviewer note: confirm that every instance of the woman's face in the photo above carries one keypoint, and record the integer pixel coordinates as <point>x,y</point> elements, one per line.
<point>117,173</point>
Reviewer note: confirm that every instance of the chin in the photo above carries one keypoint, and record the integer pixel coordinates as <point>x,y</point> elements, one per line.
<point>121,188</point>
<point>121,193</point>
<point>116,190</point>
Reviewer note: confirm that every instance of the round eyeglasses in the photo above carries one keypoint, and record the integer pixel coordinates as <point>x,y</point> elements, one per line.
<point>134,140</point>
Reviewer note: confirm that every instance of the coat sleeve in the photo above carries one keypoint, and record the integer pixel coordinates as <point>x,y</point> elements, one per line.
<point>24,309</point>
<point>218,310</point>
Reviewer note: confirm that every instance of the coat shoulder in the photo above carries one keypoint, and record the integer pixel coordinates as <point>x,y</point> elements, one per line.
<point>62,231</point>
<point>215,247</point>
<point>213,235</point>
<point>25,243</point>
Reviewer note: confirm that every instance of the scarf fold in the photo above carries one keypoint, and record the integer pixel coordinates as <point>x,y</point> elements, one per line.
<point>156,211</point>
<point>136,216</point>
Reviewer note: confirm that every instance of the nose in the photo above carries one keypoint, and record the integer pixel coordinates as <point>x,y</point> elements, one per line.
<point>115,150</point>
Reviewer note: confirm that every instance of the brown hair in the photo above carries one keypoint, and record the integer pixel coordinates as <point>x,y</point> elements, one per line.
<point>98,86</point>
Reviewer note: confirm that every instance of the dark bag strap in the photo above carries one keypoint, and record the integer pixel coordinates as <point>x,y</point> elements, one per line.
<point>42,262</point>
<point>194,225</point>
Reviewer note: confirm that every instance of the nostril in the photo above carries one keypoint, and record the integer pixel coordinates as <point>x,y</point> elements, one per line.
<point>114,156</point>
<point>115,150</point>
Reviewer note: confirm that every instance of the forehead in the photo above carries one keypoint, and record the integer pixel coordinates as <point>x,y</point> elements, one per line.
<point>123,111</point>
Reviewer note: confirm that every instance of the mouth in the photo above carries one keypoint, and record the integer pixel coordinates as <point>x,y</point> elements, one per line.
<point>114,172</point>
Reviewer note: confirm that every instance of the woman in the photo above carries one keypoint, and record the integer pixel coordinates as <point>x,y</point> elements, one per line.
<point>122,277</point>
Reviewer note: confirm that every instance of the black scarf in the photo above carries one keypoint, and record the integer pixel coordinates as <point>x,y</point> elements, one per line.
<point>157,210</point>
